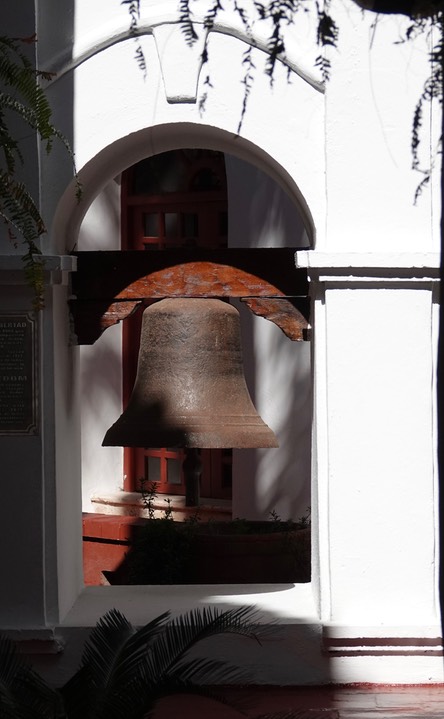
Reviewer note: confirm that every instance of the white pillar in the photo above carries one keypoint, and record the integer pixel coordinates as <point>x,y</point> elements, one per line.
<point>375,463</point>
<point>28,530</point>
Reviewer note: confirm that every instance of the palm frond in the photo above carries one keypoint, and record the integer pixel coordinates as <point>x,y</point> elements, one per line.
<point>202,671</point>
<point>124,671</point>
<point>23,694</point>
<point>107,682</point>
<point>133,652</point>
<point>115,648</point>
<point>182,634</point>
<point>167,669</point>
<point>104,643</point>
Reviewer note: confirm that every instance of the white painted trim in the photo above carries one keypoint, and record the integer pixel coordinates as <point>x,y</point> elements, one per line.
<point>434,330</point>
<point>65,263</point>
<point>384,640</point>
<point>56,269</point>
<point>320,457</point>
<point>336,630</point>
<point>427,261</point>
<point>105,38</point>
<point>289,604</point>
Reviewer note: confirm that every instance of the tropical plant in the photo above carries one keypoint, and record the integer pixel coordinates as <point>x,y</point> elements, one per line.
<point>23,694</point>
<point>124,671</point>
<point>23,107</point>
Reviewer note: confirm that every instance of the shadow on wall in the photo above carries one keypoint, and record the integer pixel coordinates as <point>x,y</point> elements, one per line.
<point>100,229</point>
<point>278,374</point>
<point>101,386</point>
<point>261,213</point>
<point>278,371</point>
<point>101,381</point>
<point>286,655</point>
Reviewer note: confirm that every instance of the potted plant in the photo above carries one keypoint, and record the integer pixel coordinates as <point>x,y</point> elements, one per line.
<point>239,551</point>
<point>248,551</point>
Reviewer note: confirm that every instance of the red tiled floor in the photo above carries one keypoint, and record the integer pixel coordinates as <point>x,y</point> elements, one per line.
<point>327,702</point>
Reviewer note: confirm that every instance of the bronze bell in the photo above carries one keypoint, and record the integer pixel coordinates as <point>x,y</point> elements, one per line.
<point>190,389</point>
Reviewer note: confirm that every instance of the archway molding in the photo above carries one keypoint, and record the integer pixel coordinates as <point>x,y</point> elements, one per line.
<point>114,159</point>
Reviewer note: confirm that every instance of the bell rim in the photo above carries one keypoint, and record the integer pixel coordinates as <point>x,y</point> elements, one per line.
<point>243,434</point>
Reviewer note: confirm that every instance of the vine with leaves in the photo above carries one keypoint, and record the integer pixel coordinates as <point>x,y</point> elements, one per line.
<point>433,90</point>
<point>427,19</point>
<point>281,13</point>
<point>23,99</point>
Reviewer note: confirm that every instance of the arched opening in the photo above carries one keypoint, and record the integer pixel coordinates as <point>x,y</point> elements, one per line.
<point>145,215</point>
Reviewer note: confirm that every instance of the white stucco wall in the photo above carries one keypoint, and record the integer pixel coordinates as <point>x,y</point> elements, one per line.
<point>370,101</point>
<point>357,197</point>
<point>372,481</point>
<point>100,364</point>
<point>344,157</point>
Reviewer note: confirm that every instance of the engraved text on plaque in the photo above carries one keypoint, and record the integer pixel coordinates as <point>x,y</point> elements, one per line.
<point>17,374</point>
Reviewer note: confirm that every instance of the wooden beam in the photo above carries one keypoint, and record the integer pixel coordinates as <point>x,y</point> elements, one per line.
<point>103,275</point>
<point>91,318</point>
<point>109,286</point>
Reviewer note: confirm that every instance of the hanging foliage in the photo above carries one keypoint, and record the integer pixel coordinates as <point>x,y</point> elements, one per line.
<point>427,19</point>
<point>23,104</point>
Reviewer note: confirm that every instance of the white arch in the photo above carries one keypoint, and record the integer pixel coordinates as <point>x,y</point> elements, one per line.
<point>116,29</point>
<point>284,483</point>
<point>130,149</point>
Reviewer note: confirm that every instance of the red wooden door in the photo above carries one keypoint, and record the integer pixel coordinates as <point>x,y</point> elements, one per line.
<point>176,199</point>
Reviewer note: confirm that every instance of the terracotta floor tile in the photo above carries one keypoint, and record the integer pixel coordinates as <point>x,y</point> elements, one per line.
<point>327,702</point>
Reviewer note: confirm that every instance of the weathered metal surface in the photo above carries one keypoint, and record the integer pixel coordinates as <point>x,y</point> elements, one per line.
<point>119,310</point>
<point>283,313</point>
<point>190,389</point>
<point>199,279</point>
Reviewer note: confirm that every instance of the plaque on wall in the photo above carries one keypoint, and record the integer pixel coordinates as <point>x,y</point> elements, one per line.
<point>18,400</point>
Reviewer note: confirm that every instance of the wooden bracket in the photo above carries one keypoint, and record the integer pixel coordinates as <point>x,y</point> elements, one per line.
<point>110,286</point>
<point>291,316</point>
